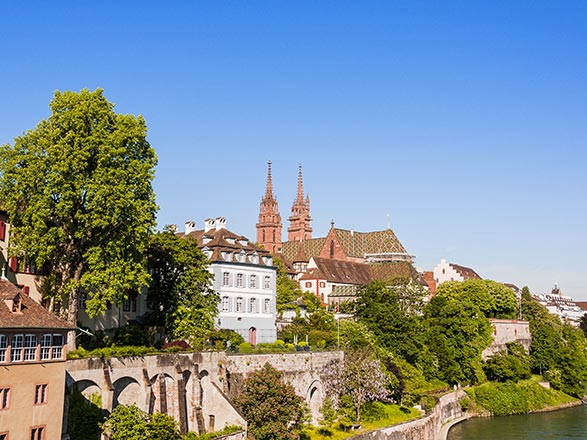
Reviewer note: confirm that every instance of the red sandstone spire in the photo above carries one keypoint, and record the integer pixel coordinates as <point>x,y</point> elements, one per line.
<point>299,221</point>
<point>269,226</point>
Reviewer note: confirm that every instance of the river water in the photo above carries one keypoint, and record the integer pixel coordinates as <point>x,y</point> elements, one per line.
<point>564,424</point>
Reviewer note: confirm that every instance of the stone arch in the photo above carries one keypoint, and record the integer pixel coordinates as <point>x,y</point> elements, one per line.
<point>86,387</point>
<point>315,399</point>
<point>127,391</point>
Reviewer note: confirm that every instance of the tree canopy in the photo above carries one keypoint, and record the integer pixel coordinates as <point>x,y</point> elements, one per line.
<point>271,407</point>
<point>180,295</point>
<point>78,192</point>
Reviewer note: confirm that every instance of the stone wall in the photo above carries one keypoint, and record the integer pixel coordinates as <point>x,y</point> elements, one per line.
<point>425,428</point>
<point>505,331</point>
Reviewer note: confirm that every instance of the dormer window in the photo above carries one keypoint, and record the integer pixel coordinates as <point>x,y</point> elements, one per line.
<point>255,258</point>
<point>241,257</point>
<point>243,242</point>
<point>230,240</point>
<point>206,240</point>
<point>268,261</point>
<point>227,256</point>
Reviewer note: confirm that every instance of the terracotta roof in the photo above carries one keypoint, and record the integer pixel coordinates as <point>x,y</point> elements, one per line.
<point>343,292</point>
<point>224,242</point>
<point>338,271</point>
<point>390,271</point>
<point>582,305</point>
<point>31,315</point>
<point>466,272</point>
<point>302,250</point>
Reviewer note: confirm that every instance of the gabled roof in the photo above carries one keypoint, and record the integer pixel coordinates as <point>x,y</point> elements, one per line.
<point>302,250</point>
<point>31,315</point>
<point>396,270</point>
<point>222,241</point>
<point>361,244</point>
<point>339,271</point>
<point>466,272</point>
<point>354,244</point>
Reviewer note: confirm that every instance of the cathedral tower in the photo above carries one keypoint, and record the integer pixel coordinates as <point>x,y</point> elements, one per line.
<point>269,226</point>
<point>299,220</point>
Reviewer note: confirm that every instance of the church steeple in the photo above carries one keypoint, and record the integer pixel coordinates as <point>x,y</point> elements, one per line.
<point>269,226</point>
<point>299,220</point>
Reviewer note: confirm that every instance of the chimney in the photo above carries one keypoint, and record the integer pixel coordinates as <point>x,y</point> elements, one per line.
<point>190,227</point>
<point>220,223</point>
<point>208,224</point>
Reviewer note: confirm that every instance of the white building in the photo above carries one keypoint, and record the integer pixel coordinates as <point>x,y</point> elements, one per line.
<point>452,272</point>
<point>244,277</point>
<point>562,306</point>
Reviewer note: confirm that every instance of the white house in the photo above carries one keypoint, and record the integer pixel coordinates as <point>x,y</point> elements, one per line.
<point>244,277</point>
<point>453,272</point>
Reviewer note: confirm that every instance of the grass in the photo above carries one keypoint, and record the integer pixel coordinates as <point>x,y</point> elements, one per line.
<point>393,414</point>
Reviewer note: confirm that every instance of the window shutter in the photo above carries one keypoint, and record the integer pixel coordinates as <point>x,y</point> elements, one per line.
<point>2,230</point>
<point>13,264</point>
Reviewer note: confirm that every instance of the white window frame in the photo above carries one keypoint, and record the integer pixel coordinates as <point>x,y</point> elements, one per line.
<point>253,305</point>
<point>239,280</point>
<point>267,282</point>
<point>253,281</point>
<point>239,304</point>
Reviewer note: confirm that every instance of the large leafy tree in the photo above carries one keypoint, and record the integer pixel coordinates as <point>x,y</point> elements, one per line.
<point>132,423</point>
<point>493,299</point>
<point>78,192</point>
<point>393,315</point>
<point>271,408</point>
<point>180,295</point>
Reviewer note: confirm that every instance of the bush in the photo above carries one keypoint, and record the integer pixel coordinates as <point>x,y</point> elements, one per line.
<point>225,339</point>
<point>85,416</point>
<point>245,347</point>
<point>132,334</point>
<point>372,411</point>
<point>175,346</point>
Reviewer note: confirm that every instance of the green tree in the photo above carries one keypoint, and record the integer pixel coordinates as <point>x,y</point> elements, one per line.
<point>392,315</point>
<point>271,408</point>
<point>493,299</point>
<point>511,365</point>
<point>79,196</point>
<point>457,333</point>
<point>287,289</point>
<point>180,294</point>
<point>132,423</point>
<point>84,416</point>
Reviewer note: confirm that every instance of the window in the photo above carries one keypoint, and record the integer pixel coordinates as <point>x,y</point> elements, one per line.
<point>130,304</point>
<point>57,348</point>
<point>16,349</point>
<point>252,305</point>
<point>332,249</point>
<point>40,394</point>
<point>225,304</point>
<point>239,304</point>
<point>30,347</point>
<point>267,306</point>
<point>225,278</point>
<point>38,433</point>
<point>45,347</point>
<point>3,347</point>
<point>2,231</point>
<point>253,282</point>
<point>308,284</point>
<point>322,284</point>
<point>239,280</point>
<point>4,398</point>
<point>267,282</point>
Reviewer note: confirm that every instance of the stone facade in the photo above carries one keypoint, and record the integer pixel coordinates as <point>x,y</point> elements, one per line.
<point>194,388</point>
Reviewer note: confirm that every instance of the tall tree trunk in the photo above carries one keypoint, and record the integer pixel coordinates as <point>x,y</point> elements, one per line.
<point>73,309</point>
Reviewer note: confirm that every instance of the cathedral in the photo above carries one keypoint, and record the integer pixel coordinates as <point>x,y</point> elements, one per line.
<point>334,265</point>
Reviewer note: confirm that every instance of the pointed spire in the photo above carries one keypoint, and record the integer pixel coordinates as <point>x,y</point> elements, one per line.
<point>300,194</point>
<point>269,188</point>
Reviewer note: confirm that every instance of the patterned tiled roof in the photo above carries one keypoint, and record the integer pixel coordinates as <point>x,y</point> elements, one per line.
<point>225,245</point>
<point>466,272</point>
<point>302,250</point>
<point>361,244</point>
<point>355,245</point>
<point>31,315</point>
<point>343,291</point>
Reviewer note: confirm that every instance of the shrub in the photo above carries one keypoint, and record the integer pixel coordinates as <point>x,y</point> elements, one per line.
<point>176,346</point>
<point>132,334</point>
<point>245,347</point>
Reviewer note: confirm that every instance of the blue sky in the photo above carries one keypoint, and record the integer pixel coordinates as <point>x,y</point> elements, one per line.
<point>463,121</point>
